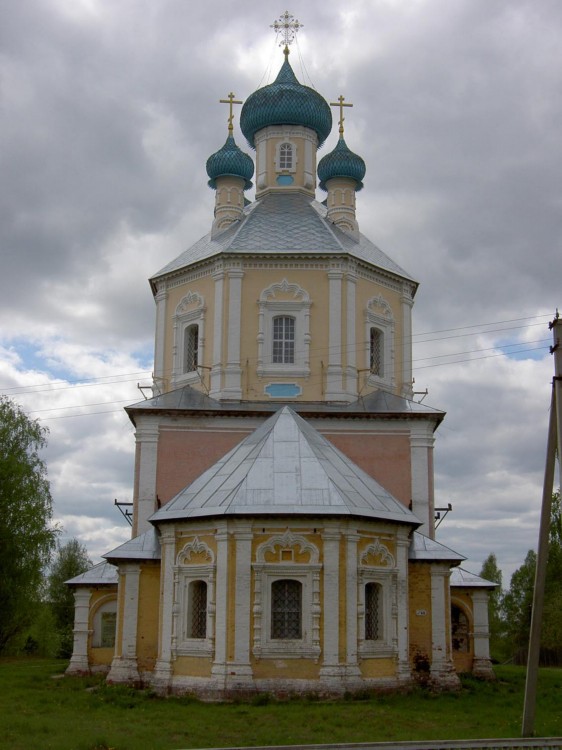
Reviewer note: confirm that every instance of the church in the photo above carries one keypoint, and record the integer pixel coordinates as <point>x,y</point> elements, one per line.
<point>283,527</point>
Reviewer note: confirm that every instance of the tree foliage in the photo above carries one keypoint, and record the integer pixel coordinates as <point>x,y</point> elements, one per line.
<point>491,572</point>
<point>27,537</point>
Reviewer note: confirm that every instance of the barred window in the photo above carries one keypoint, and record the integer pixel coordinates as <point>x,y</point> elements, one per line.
<point>373,606</point>
<point>285,156</point>
<point>283,340</point>
<point>108,623</point>
<point>459,627</point>
<point>197,610</point>
<point>191,348</point>
<point>286,609</point>
<point>375,352</point>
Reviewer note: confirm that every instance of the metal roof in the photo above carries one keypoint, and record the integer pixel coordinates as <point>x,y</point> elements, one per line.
<point>143,547</point>
<point>287,223</point>
<point>424,549</point>
<point>285,467</point>
<point>102,574</point>
<point>461,578</point>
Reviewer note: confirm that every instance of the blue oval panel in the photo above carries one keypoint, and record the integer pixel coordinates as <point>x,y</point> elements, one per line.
<point>282,390</point>
<point>284,179</point>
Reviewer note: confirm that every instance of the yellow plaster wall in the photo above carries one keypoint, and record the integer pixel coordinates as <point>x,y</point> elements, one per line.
<point>194,666</point>
<point>147,630</point>
<point>419,575</point>
<point>373,668</point>
<point>98,656</point>
<point>295,669</point>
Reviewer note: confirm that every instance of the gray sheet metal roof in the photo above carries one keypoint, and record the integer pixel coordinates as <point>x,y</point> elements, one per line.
<point>285,467</point>
<point>289,223</point>
<point>187,398</point>
<point>424,549</point>
<point>102,574</point>
<point>461,578</point>
<point>143,547</point>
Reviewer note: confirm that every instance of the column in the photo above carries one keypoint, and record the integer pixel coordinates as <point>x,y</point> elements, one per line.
<point>351,343</point>
<point>146,436</point>
<point>159,341</point>
<point>407,304</point>
<point>216,371</point>
<point>240,670</point>
<point>402,607</point>
<point>79,662</point>
<point>443,673</point>
<point>219,668</point>
<point>124,666</point>
<point>331,671</point>
<point>334,381</point>
<point>162,675</point>
<point>351,604</point>
<point>482,664</point>
<point>233,371</point>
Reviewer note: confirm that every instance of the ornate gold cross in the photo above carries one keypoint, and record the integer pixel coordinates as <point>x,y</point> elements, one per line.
<point>230,100</point>
<point>341,105</point>
<point>286,25</point>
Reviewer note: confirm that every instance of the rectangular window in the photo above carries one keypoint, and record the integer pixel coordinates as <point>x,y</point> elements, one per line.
<point>283,340</point>
<point>191,348</point>
<point>108,623</point>
<point>197,609</point>
<point>372,612</point>
<point>286,609</point>
<point>375,352</point>
<point>285,156</point>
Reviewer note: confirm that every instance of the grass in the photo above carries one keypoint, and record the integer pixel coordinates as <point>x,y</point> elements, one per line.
<point>40,708</point>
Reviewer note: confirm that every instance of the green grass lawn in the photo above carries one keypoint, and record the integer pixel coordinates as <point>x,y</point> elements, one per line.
<point>40,709</point>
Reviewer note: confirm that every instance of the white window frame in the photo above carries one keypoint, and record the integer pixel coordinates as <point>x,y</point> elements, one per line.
<point>190,311</point>
<point>297,307</point>
<point>307,574</point>
<point>185,573</point>
<point>385,574</point>
<point>378,314</point>
<point>105,605</point>
<point>277,160</point>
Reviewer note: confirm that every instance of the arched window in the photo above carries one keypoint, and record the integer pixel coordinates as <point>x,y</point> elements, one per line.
<point>191,348</point>
<point>286,609</point>
<point>373,612</point>
<point>197,610</point>
<point>459,629</point>
<point>286,156</point>
<point>376,352</point>
<point>283,340</point>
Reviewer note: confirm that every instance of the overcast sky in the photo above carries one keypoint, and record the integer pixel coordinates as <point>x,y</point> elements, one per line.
<point>108,112</point>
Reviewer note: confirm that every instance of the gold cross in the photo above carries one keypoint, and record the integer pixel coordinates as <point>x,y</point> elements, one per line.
<point>287,25</point>
<point>231,100</point>
<point>341,105</point>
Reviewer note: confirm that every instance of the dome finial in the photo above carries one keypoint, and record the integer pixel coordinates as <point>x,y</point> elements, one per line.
<point>288,26</point>
<point>230,100</point>
<point>341,105</point>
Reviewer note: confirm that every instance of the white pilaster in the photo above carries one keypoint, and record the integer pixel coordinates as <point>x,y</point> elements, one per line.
<point>216,372</point>
<point>421,442</point>
<point>219,668</point>
<point>351,336</point>
<point>352,666</point>
<point>124,666</point>
<point>402,606</point>
<point>407,304</point>
<point>79,661</point>
<point>146,436</point>
<point>162,675</point>
<point>161,299</point>
<point>442,669</point>
<point>331,668</point>
<point>240,670</point>
<point>334,373</point>
<point>233,370</point>
<point>482,664</point>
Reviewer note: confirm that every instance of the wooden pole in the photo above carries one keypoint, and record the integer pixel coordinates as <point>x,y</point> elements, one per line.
<point>528,726</point>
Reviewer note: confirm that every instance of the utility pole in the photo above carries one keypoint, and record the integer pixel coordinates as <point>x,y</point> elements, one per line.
<point>554,439</point>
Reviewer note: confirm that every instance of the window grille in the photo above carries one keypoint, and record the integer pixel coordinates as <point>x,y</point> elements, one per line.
<point>191,348</point>
<point>372,612</point>
<point>283,340</point>
<point>108,623</point>
<point>197,609</point>
<point>375,352</point>
<point>285,156</point>
<point>286,609</point>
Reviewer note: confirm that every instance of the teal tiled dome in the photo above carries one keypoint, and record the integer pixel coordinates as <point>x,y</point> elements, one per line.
<point>341,162</point>
<point>286,102</point>
<point>230,160</point>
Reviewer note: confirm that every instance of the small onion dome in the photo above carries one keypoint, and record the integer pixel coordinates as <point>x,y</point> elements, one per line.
<point>285,102</point>
<point>341,162</point>
<point>230,160</point>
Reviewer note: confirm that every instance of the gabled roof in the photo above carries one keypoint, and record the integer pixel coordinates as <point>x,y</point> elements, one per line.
<point>143,547</point>
<point>288,223</point>
<point>424,549</point>
<point>102,574</point>
<point>285,467</point>
<point>461,578</point>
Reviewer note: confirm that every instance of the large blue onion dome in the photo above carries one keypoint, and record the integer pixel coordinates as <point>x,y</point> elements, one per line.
<point>341,162</point>
<point>230,160</point>
<point>286,102</point>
